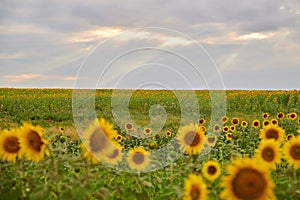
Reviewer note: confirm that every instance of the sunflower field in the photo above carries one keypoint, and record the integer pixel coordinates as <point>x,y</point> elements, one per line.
<point>251,152</point>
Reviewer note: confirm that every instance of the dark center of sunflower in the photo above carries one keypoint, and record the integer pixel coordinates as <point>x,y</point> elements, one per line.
<point>192,139</point>
<point>147,130</point>
<point>35,140</point>
<point>292,116</point>
<point>211,170</point>
<point>225,129</point>
<point>272,134</point>
<point>266,123</point>
<point>114,154</point>
<point>224,119</point>
<point>265,115</point>
<point>289,137</point>
<point>235,121</point>
<point>129,126</point>
<point>211,139</point>
<point>119,138</point>
<point>249,184</point>
<point>98,140</point>
<point>295,151</point>
<point>138,158</point>
<point>195,192</point>
<point>274,122</point>
<point>268,154</point>
<point>201,121</point>
<point>280,115</point>
<point>11,145</point>
<point>168,133</point>
<point>255,123</point>
<point>217,128</point>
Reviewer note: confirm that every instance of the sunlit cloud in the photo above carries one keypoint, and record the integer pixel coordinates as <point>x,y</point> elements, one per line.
<point>11,55</point>
<point>254,36</point>
<point>32,77</point>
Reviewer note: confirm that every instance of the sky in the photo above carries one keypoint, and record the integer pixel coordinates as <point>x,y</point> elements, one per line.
<point>184,44</point>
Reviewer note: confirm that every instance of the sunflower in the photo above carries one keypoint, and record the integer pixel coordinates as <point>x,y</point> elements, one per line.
<point>265,115</point>
<point>119,138</point>
<point>191,139</point>
<point>228,136</point>
<point>299,120</point>
<point>115,157</point>
<point>147,131</point>
<point>194,188</point>
<point>87,155</point>
<point>168,133</point>
<point>138,159</point>
<point>232,128</point>
<point>61,129</point>
<point>292,116</point>
<point>128,127</point>
<point>217,128</point>
<point>274,121</point>
<point>202,121</point>
<point>266,122</point>
<point>256,123</point>
<point>9,145</point>
<point>291,152</point>
<point>225,129</point>
<point>98,138</point>
<point>225,119</point>
<point>268,153</point>
<point>280,115</point>
<point>202,128</point>
<point>235,121</point>
<point>211,140</point>
<point>244,124</point>
<point>211,170</point>
<point>33,144</point>
<point>272,132</point>
<point>246,180</point>
<point>290,136</point>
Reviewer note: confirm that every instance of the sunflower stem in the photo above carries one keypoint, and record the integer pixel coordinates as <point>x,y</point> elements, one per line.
<point>21,175</point>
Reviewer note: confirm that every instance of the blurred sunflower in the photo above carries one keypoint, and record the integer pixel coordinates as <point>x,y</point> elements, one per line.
<point>194,188</point>
<point>88,156</point>
<point>272,132</point>
<point>290,136</point>
<point>299,120</point>
<point>98,138</point>
<point>225,129</point>
<point>10,145</point>
<point>228,136</point>
<point>128,126</point>
<point>265,115</point>
<point>202,128</point>
<point>119,138</point>
<point>268,153</point>
<point>33,144</point>
<point>211,170</point>
<point>274,121</point>
<point>202,121</point>
<point>191,139</point>
<point>217,128</point>
<point>235,121</point>
<point>168,133</point>
<point>292,116</point>
<point>211,140</point>
<point>280,115</point>
<point>291,152</point>
<point>115,157</point>
<point>246,180</point>
<point>244,124</point>
<point>232,128</point>
<point>147,131</point>
<point>225,119</point>
<point>138,159</point>
<point>61,129</point>
<point>256,123</point>
<point>266,122</point>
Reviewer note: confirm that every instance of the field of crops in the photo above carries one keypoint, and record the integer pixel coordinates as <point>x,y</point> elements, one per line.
<point>251,152</point>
